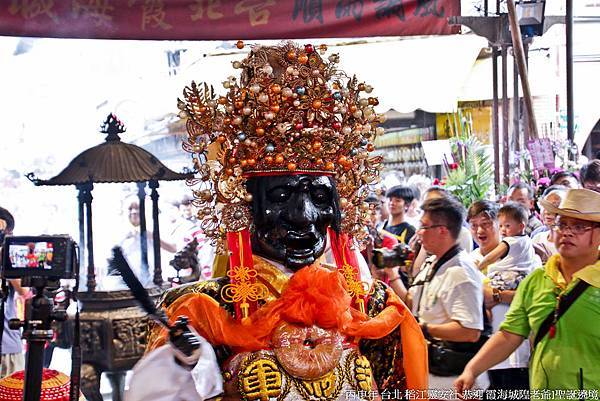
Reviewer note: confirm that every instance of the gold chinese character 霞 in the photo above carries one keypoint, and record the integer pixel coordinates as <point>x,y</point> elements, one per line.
<point>153,14</point>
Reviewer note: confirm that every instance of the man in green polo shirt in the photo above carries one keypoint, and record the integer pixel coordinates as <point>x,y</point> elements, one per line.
<point>564,364</point>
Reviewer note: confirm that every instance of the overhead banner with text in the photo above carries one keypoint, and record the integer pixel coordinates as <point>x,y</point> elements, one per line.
<point>225,19</point>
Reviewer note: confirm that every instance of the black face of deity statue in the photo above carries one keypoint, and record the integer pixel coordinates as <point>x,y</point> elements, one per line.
<point>291,215</point>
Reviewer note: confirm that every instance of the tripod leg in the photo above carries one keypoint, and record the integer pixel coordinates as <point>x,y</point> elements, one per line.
<point>117,382</point>
<point>90,383</point>
<point>33,370</point>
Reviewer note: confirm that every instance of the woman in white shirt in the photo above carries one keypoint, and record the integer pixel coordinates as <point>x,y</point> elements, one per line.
<point>482,217</point>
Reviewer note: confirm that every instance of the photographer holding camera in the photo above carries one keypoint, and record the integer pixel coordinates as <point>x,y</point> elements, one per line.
<point>379,240</point>
<point>447,295</point>
<point>12,348</point>
<point>395,234</point>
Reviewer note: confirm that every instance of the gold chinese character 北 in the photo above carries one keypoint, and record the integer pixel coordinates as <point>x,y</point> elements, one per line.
<point>208,7</point>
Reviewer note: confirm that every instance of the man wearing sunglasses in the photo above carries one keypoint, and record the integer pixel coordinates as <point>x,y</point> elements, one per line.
<point>558,307</point>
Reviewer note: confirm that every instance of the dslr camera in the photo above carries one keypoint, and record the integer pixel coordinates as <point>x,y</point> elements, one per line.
<point>397,256</point>
<point>52,257</point>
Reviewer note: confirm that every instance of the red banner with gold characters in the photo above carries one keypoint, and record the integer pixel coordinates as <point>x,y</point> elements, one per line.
<point>225,19</point>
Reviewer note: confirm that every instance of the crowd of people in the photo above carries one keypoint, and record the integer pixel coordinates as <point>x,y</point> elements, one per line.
<point>490,284</point>
<point>481,309</point>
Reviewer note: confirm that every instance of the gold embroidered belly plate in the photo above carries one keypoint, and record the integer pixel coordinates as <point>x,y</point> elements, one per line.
<point>259,376</point>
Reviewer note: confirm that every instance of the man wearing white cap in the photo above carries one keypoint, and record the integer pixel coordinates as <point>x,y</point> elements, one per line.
<point>559,307</point>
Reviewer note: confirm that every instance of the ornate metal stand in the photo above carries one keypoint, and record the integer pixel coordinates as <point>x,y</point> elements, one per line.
<point>113,339</point>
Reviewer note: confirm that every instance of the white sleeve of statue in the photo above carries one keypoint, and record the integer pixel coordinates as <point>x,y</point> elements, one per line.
<point>207,373</point>
<point>157,377</point>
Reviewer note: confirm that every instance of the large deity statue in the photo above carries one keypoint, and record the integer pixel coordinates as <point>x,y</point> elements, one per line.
<point>284,163</point>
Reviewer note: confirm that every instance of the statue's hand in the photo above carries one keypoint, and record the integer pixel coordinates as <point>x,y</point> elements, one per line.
<point>186,343</point>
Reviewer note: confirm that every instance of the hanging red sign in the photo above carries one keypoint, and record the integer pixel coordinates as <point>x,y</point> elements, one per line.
<point>225,19</point>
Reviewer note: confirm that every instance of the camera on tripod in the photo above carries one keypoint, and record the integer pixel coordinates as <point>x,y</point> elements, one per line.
<point>50,257</point>
<point>40,262</point>
<point>399,255</point>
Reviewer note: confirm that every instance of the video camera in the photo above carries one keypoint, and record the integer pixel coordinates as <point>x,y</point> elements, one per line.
<point>397,256</point>
<point>41,262</point>
<point>52,257</point>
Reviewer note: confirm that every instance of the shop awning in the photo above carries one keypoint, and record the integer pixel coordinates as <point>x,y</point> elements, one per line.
<point>544,82</point>
<point>543,79</point>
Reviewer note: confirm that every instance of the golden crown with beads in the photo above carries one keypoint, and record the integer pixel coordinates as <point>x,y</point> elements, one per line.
<point>290,112</point>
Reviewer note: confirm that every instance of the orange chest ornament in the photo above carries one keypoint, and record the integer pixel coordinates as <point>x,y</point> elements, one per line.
<point>304,362</point>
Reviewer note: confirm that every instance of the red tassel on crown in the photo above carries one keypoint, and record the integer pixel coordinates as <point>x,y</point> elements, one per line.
<point>243,290</point>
